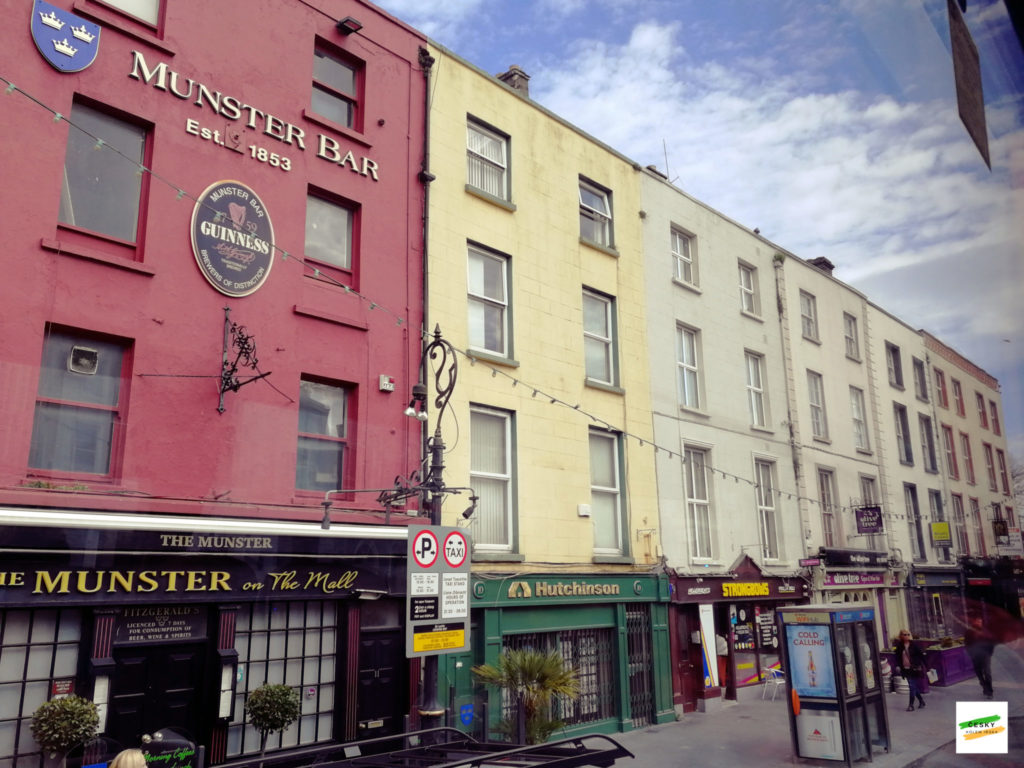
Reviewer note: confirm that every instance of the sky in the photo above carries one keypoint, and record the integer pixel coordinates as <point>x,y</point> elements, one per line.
<point>831,126</point>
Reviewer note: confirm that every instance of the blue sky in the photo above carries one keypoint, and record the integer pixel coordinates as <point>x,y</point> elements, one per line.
<point>830,126</point>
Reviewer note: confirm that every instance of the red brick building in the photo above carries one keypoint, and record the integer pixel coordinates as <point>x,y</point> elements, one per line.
<point>211,303</point>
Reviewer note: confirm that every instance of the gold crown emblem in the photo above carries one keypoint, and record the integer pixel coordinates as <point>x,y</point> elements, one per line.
<point>83,34</point>
<point>50,19</point>
<point>62,46</point>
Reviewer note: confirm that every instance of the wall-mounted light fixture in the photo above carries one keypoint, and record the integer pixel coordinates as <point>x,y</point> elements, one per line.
<point>348,25</point>
<point>419,395</point>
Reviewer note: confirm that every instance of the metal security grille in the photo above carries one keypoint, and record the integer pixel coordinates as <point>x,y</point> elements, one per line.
<point>294,643</point>
<point>641,664</point>
<point>592,653</point>
<point>38,647</point>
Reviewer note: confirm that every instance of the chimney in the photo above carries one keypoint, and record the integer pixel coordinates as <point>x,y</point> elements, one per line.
<point>823,264</point>
<point>516,79</point>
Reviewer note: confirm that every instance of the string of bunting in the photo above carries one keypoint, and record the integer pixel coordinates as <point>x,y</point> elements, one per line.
<point>181,193</point>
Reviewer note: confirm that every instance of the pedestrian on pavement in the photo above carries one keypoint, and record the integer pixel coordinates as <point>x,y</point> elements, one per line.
<point>910,660</point>
<point>980,644</point>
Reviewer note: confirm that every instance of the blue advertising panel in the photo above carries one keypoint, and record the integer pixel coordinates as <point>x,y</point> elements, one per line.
<point>810,660</point>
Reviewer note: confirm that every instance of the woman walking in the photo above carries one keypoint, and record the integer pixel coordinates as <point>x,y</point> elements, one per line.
<point>910,660</point>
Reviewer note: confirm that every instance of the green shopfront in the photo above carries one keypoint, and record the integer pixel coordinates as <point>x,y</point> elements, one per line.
<point>612,628</point>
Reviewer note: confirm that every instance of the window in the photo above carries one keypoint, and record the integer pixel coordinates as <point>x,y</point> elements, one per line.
<point>490,475</point>
<point>995,417</point>
<point>328,233</point>
<point>829,512</point>
<point>958,398</point>
<point>755,389</point>
<point>488,301</point>
<point>487,160</point>
<point>294,643</point>
<point>598,337</point>
<point>949,446</point>
<point>990,467</point>
<point>860,420</point>
<point>1003,475</point>
<point>868,489</point>
<point>688,366</point>
<point>965,444</point>
<point>605,497</point>
<point>100,191</point>
<point>895,365</point>
<point>928,457</point>
<point>146,10</point>
<point>960,525</point>
<point>764,475</point>
<point>977,533</point>
<point>749,300</point>
<point>809,316</point>
<point>938,515</point>
<point>335,89</point>
<point>595,214</point>
<point>80,404</point>
<point>698,503</point>
<point>683,249</point>
<point>982,414</point>
<point>851,336</point>
<point>920,381</point>
<point>941,395</point>
<point>914,521</point>
<point>816,396</point>
<point>906,452</point>
<point>323,436</point>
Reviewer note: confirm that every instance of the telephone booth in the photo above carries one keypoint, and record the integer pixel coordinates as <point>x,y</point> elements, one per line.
<point>837,700</point>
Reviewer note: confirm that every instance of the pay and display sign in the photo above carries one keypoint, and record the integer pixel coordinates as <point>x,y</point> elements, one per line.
<point>437,602</point>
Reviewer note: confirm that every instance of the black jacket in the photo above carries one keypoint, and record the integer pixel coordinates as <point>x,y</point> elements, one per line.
<point>916,668</point>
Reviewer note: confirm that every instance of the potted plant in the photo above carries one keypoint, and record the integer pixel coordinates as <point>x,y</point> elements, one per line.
<point>63,723</point>
<point>272,708</point>
<point>532,678</point>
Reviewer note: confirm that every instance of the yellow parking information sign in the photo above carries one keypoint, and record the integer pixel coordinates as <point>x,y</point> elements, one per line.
<point>438,638</point>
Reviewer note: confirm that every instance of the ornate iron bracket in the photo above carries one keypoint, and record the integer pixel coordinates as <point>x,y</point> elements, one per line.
<point>244,346</point>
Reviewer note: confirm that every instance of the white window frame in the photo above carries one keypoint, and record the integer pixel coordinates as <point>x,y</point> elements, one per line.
<point>941,393</point>
<point>756,400</point>
<point>487,306</point>
<point>699,513</point>
<point>976,529</point>
<point>927,434</point>
<point>816,400</point>
<point>688,368</point>
<point>958,397</point>
<point>938,515</point>
<point>920,379</point>
<point>684,256</point>
<point>949,446</point>
<point>809,316</point>
<point>600,219</point>
<point>894,363</point>
<point>831,524</point>
<point>613,526</point>
<point>965,445</point>
<point>994,421</point>
<point>600,339</point>
<point>851,336</point>
<point>1004,476</point>
<point>904,445</point>
<point>483,166</point>
<point>982,413</point>
<point>767,508</point>
<point>858,412</point>
<point>499,506</point>
<point>990,466</point>
<point>913,512</point>
<point>960,524</point>
<point>143,10</point>
<point>750,302</point>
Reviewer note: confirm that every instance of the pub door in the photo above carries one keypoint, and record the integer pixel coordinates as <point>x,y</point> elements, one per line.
<point>689,661</point>
<point>383,691</point>
<point>158,686</point>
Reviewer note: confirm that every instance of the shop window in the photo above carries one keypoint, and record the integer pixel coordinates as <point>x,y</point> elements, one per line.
<point>38,647</point>
<point>293,644</point>
<point>80,404</point>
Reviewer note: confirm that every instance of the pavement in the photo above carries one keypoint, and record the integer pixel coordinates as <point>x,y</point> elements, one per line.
<point>756,732</point>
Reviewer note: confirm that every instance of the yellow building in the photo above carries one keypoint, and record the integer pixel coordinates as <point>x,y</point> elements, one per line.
<point>535,277</point>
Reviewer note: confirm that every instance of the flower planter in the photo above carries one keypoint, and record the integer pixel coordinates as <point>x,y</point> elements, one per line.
<point>952,664</point>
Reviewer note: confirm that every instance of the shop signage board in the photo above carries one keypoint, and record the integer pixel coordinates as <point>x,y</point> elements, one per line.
<point>437,595</point>
<point>869,519</point>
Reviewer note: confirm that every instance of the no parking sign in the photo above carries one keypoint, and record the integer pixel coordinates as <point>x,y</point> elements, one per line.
<point>437,602</point>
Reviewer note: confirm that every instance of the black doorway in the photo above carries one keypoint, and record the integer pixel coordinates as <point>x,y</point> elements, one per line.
<point>158,686</point>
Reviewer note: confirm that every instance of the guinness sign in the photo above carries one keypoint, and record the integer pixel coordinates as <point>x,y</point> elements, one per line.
<point>232,238</point>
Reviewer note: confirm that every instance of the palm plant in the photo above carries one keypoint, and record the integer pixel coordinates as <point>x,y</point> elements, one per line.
<point>531,678</point>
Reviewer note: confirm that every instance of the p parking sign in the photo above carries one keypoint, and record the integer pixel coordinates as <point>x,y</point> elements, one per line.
<point>437,602</point>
